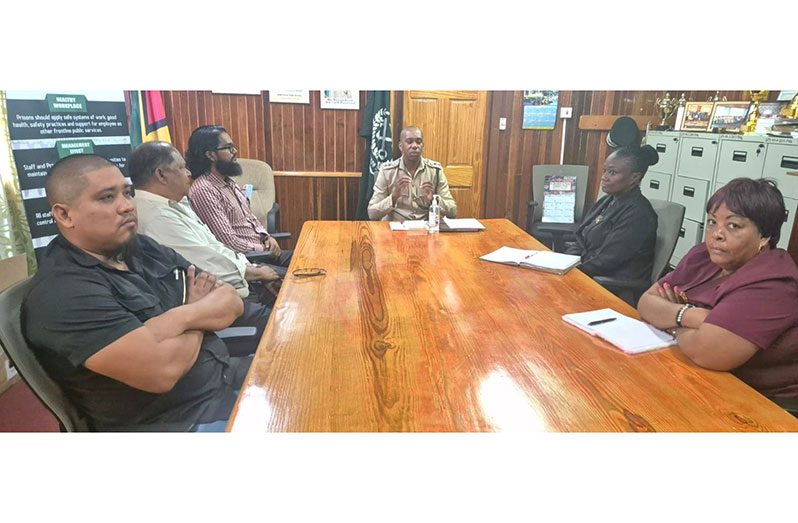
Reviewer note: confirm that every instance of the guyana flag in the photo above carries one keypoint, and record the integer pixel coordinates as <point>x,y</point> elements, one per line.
<point>147,117</point>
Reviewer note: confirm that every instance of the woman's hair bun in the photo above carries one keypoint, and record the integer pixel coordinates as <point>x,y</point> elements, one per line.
<point>650,154</point>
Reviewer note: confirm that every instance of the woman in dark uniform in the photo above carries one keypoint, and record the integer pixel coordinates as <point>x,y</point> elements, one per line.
<point>616,238</point>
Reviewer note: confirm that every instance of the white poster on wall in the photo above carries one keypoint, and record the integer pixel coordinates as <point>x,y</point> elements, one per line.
<point>289,97</point>
<point>340,100</point>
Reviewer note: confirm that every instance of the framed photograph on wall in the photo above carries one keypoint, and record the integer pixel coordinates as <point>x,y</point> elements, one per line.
<point>697,116</point>
<point>340,100</point>
<point>729,115</point>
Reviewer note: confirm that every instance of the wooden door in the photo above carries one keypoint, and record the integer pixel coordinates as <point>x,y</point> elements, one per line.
<point>453,126</point>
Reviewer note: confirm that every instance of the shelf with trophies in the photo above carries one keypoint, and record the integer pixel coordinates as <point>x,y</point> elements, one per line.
<point>694,164</point>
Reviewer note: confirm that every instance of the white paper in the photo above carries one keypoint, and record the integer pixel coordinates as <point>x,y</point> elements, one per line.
<point>463,223</point>
<point>508,255</point>
<point>289,97</point>
<point>628,334</point>
<point>408,225</point>
<point>553,260</point>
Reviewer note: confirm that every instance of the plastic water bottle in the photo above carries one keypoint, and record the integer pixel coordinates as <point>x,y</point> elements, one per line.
<point>248,191</point>
<point>434,223</point>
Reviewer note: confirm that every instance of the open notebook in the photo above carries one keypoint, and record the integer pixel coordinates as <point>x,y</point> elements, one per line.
<point>628,334</point>
<point>547,261</point>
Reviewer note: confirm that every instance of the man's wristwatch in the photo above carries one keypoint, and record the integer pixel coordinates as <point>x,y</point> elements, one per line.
<point>680,313</point>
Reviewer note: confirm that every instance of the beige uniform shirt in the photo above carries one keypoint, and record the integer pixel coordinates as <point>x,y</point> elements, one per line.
<point>412,206</point>
<point>175,225</point>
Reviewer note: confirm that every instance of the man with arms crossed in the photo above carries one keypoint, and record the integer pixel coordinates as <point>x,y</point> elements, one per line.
<point>162,180</point>
<point>123,324</point>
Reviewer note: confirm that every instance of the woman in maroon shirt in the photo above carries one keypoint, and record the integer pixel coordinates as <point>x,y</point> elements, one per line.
<point>732,301</point>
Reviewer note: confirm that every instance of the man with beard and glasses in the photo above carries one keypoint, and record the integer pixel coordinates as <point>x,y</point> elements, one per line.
<point>122,323</point>
<point>404,187</point>
<point>220,202</point>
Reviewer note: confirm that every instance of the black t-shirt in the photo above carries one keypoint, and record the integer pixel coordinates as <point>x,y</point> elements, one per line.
<point>78,306</point>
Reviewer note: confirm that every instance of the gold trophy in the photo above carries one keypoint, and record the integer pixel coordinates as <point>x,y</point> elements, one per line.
<point>716,98</point>
<point>753,114</point>
<point>665,107</point>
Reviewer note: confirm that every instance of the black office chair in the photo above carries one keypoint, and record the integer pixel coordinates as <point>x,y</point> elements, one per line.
<point>13,342</point>
<point>669,223</point>
<point>554,235</point>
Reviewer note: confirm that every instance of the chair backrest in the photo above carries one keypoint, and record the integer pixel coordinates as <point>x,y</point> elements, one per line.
<point>539,173</point>
<point>30,370</point>
<point>669,223</point>
<point>260,175</point>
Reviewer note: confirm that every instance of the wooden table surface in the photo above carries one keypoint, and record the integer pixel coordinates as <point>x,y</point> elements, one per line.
<point>412,332</point>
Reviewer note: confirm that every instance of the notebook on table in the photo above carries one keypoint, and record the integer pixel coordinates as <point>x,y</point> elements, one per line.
<point>546,261</point>
<point>408,225</point>
<point>461,225</point>
<point>628,334</point>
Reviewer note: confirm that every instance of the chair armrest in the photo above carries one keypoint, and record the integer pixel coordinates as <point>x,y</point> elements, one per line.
<point>280,235</point>
<point>173,426</point>
<point>606,281</point>
<point>271,218</point>
<point>530,215</point>
<point>258,256</point>
<point>237,332</point>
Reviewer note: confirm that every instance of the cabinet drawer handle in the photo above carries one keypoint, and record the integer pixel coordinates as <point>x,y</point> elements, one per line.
<point>660,147</point>
<point>739,156</point>
<point>681,232</point>
<point>789,162</point>
<point>697,151</point>
<point>688,191</point>
<point>654,184</point>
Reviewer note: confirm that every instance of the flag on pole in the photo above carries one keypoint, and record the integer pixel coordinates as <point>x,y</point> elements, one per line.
<point>147,118</point>
<point>376,129</point>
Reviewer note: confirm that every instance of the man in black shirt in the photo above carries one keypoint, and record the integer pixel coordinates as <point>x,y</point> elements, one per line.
<point>122,323</point>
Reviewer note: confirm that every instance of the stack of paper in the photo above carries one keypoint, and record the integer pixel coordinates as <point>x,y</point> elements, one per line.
<point>546,261</point>
<point>461,225</point>
<point>408,225</point>
<point>628,334</point>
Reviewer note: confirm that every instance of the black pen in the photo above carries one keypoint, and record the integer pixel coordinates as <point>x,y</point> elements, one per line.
<point>599,322</point>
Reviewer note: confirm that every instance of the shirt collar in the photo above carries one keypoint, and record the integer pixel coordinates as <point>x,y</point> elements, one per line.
<point>141,194</point>
<point>218,179</point>
<point>85,259</point>
<point>421,164</point>
<point>161,200</point>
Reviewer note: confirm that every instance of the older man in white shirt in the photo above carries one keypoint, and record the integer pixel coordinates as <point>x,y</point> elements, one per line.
<point>161,180</point>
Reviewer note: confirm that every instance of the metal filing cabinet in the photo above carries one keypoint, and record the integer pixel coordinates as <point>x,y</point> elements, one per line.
<point>706,162</point>
<point>694,171</point>
<point>656,183</point>
<point>740,157</point>
<point>697,154</point>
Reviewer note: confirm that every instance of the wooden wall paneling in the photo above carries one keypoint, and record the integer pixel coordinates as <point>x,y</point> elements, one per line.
<point>297,136</point>
<point>265,128</point>
<point>494,188</point>
<point>309,138</point>
<point>339,137</point>
<point>277,126</point>
<point>329,140</point>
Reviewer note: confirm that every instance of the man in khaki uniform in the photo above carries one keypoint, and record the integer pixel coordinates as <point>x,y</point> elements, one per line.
<point>404,187</point>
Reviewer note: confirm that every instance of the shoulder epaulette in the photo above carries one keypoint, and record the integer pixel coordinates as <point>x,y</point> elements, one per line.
<point>390,164</point>
<point>433,163</point>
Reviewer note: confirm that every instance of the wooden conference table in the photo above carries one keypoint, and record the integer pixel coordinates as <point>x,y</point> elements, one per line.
<point>408,331</point>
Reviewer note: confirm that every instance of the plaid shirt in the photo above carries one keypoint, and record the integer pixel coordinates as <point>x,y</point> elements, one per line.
<point>224,208</point>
